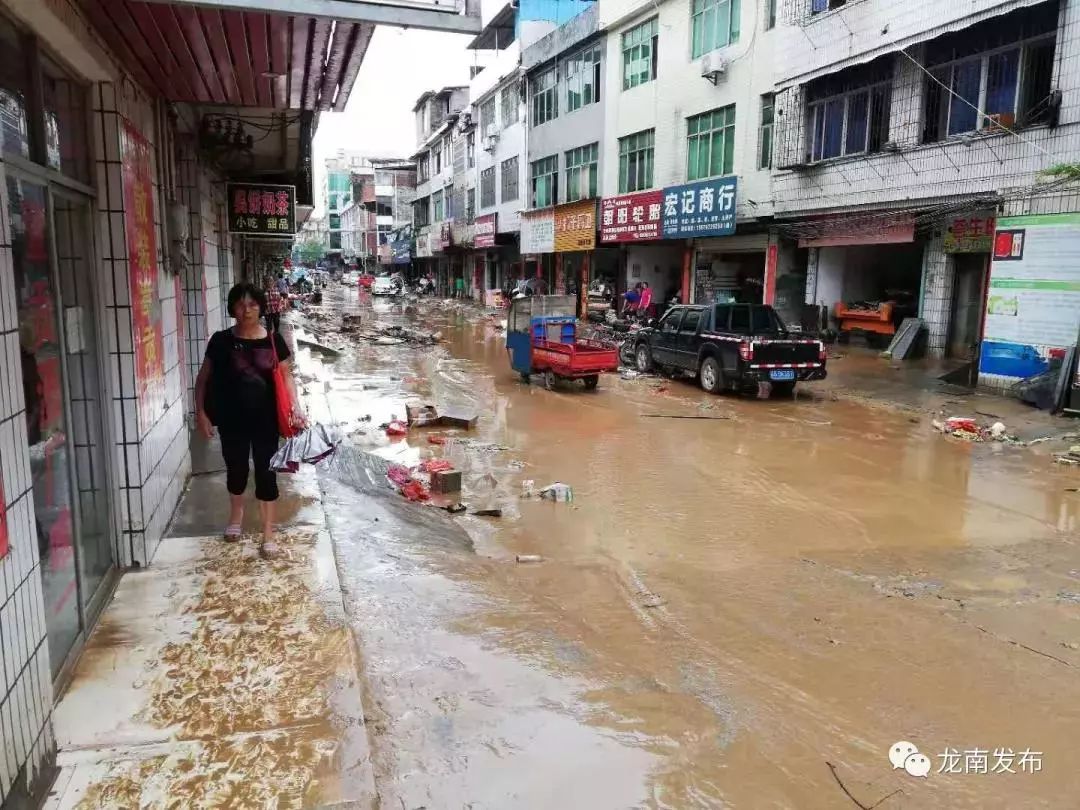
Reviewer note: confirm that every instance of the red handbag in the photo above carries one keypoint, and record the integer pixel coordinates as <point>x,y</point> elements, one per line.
<point>281,396</point>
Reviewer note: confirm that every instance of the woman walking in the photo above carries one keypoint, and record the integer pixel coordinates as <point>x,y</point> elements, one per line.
<point>235,392</point>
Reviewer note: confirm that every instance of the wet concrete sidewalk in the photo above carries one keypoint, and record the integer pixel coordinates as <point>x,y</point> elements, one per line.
<point>217,678</point>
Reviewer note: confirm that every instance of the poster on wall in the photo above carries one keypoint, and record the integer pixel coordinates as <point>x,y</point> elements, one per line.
<point>1033,301</point>
<point>970,233</point>
<point>537,231</point>
<point>143,274</point>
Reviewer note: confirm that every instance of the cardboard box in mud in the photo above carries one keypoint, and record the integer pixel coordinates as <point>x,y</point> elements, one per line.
<point>1033,301</point>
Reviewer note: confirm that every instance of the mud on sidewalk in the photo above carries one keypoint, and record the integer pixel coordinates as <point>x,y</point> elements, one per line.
<point>217,678</point>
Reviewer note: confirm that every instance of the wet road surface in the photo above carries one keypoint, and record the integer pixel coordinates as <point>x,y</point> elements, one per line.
<point>745,611</point>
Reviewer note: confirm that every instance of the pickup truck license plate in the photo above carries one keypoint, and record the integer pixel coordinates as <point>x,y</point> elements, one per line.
<point>782,374</point>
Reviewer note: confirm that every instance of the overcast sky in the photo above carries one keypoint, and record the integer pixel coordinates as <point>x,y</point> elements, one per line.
<point>378,119</point>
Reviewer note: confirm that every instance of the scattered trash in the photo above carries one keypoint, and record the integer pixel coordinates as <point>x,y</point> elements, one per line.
<point>527,488</point>
<point>488,513</point>
<point>310,446</point>
<point>317,346</point>
<point>436,440</point>
<point>1071,456</point>
<point>558,492</point>
<point>446,481</point>
<point>455,508</point>
<point>421,415</point>
<point>529,558</point>
<point>460,419</point>
<point>402,479</point>
<point>1072,645</point>
<point>396,428</point>
<point>434,465</point>
<point>653,601</point>
<point>967,428</point>
<point>1039,440</point>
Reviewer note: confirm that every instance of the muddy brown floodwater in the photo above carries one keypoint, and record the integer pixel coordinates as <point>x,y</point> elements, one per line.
<point>744,611</point>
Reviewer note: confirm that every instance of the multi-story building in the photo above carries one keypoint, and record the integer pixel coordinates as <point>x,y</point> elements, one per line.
<point>903,131</point>
<point>392,202</point>
<point>342,169</point>
<point>566,71</point>
<point>437,113</point>
<point>498,116</point>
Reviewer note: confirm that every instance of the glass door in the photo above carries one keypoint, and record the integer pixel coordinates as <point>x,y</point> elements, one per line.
<point>41,354</point>
<point>53,259</point>
<point>74,263</point>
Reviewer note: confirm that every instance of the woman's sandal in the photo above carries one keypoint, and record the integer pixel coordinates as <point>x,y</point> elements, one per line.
<point>233,532</point>
<point>268,549</point>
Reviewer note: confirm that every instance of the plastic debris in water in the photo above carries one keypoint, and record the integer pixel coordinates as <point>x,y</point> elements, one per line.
<point>558,492</point>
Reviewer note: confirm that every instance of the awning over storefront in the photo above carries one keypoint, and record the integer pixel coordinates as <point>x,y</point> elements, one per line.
<point>247,58</point>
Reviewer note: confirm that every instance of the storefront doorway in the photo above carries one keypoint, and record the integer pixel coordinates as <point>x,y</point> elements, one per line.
<point>52,247</point>
<point>969,291</point>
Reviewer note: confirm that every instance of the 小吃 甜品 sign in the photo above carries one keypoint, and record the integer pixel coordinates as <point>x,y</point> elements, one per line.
<point>704,208</point>
<point>259,209</point>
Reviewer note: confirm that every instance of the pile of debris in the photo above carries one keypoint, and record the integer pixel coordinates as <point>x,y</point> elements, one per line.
<point>968,429</point>
<point>1070,456</point>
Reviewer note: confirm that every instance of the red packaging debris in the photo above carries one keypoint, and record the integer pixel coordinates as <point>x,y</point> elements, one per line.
<point>436,439</point>
<point>964,423</point>
<point>398,475</point>
<point>415,491</point>
<point>396,428</point>
<point>433,465</point>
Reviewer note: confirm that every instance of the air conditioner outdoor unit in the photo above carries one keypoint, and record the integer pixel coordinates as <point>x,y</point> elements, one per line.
<point>489,143</point>
<point>713,67</point>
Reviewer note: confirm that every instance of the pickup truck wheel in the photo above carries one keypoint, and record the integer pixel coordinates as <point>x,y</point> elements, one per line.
<point>644,358</point>
<point>783,389</point>
<point>712,378</point>
<point>591,381</point>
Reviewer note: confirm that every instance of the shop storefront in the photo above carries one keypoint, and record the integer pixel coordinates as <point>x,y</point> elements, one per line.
<point>633,221</point>
<point>730,269</point>
<point>574,242</point>
<point>866,283</point>
<point>61,496</point>
<point>538,245</point>
<point>969,240</point>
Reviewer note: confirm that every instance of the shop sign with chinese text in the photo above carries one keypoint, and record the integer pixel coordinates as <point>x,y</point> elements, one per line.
<point>631,217</point>
<point>446,231</point>
<point>704,208</point>
<point>143,275</point>
<point>463,233</point>
<point>537,231</point>
<point>484,231</point>
<point>400,250</point>
<point>262,210</point>
<point>575,226</point>
<point>972,233</point>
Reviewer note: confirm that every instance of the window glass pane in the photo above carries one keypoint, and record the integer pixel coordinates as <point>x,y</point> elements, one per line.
<point>690,321</point>
<point>66,137</point>
<point>13,83</point>
<point>967,77</point>
<point>858,107</point>
<point>740,319</point>
<point>1001,76</point>
<point>729,151</point>
<point>832,128</point>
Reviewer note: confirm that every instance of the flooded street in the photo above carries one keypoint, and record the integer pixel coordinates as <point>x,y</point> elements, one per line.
<point>744,610</point>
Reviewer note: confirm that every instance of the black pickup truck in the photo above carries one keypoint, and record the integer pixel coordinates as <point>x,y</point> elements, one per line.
<point>730,347</point>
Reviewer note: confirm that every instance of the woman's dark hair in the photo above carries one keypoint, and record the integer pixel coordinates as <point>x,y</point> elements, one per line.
<point>246,290</point>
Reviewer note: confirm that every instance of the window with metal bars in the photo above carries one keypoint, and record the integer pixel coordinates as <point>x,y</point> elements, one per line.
<point>582,78</point>
<point>710,143</point>
<point>544,179</point>
<point>470,204</point>
<point>636,161</point>
<point>639,46</point>
<point>545,97</point>
<point>765,131</point>
<point>581,171</point>
<point>510,179</point>
<point>714,24</point>
<point>487,187</point>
